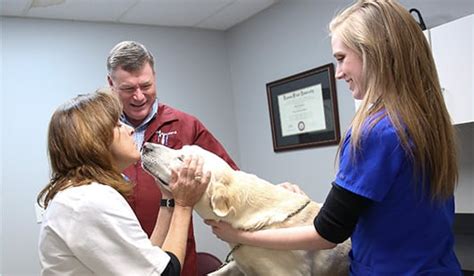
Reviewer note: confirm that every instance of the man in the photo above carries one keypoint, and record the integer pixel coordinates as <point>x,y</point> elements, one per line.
<point>131,75</point>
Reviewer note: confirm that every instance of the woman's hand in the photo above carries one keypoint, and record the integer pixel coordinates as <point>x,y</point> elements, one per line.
<point>225,231</point>
<point>292,188</point>
<point>188,183</point>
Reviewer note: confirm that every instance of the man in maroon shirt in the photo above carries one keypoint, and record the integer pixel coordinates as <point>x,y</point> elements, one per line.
<point>131,75</point>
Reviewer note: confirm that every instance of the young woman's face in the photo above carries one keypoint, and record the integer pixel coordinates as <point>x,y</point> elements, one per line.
<point>123,147</point>
<point>349,67</point>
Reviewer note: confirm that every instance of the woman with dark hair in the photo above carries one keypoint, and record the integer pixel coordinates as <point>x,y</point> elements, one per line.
<point>88,227</point>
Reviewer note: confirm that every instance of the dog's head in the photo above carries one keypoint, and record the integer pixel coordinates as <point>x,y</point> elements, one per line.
<point>240,198</point>
<point>159,160</point>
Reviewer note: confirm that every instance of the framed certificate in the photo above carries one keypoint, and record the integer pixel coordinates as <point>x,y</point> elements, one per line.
<point>303,109</point>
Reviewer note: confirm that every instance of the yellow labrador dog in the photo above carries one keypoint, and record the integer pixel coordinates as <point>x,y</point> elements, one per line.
<point>250,203</point>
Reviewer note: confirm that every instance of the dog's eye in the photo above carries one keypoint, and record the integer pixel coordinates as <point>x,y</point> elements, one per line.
<point>181,158</point>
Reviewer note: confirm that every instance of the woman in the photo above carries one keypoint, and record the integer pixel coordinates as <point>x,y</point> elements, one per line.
<point>88,227</point>
<point>393,193</point>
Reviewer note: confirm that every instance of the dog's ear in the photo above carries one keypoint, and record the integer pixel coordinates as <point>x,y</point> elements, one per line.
<point>220,204</point>
<point>221,199</point>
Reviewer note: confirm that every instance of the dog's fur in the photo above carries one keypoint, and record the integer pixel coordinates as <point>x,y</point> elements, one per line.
<point>250,203</point>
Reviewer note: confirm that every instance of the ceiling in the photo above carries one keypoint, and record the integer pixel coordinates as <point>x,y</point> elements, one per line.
<point>206,14</point>
<point>437,12</point>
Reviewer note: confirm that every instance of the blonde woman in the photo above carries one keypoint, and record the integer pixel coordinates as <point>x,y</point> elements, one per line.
<point>88,227</point>
<point>393,193</point>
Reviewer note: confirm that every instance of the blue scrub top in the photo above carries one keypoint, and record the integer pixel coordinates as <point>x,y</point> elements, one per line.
<point>403,232</point>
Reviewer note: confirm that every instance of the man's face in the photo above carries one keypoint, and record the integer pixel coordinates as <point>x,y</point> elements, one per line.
<point>136,90</point>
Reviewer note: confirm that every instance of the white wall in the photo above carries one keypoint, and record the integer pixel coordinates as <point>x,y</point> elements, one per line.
<point>1,145</point>
<point>464,193</point>
<point>288,38</point>
<point>45,62</point>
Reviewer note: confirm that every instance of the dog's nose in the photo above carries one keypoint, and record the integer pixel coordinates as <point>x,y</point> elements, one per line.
<point>146,148</point>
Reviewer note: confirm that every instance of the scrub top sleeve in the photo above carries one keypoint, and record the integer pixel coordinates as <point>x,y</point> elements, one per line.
<point>106,237</point>
<point>376,165</point>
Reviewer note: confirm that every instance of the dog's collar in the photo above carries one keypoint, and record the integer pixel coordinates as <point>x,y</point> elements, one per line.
<point>237,246</point>
<point>297,211</point>
<point>229,257</point>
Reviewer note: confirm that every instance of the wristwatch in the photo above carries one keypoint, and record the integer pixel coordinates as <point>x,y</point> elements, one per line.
<point>167,202</point>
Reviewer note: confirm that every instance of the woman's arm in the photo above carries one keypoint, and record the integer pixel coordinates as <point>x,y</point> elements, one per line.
<point>334,223</point>
<point>161,226</point>
<point>176,242</point>
<point>176,239</point>
<point>294,238</point>
<point>186,189</point>
<point>163,221</point>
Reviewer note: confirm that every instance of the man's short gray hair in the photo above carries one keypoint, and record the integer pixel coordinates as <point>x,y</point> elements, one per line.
<point>130,56</point>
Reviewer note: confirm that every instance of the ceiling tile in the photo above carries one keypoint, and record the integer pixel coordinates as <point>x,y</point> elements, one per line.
<point>212,14</point>
<point>88,10</point>
<point>235,13</point>
<point>13,8</point>
<point>173,12</point>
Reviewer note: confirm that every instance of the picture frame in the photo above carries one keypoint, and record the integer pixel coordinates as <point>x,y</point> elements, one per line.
<point>303,109</point>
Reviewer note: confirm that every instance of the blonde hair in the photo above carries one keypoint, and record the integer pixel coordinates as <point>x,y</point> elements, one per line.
<point>80,134</point>
<point>400,78</point>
